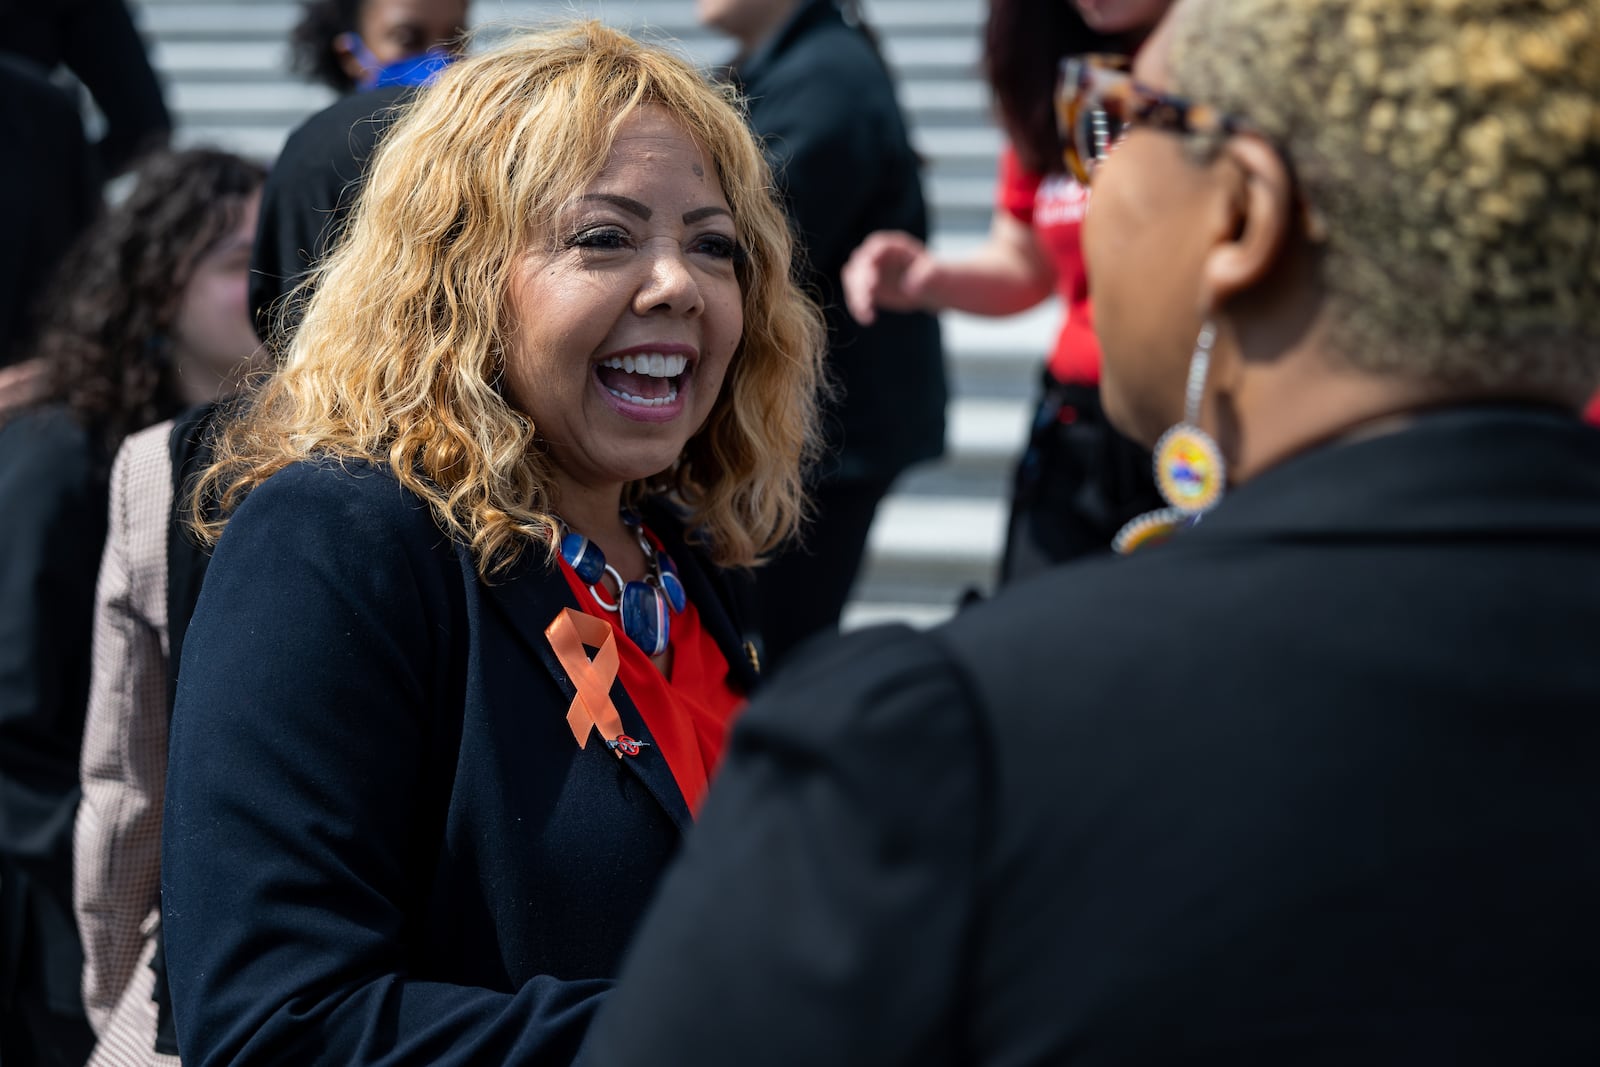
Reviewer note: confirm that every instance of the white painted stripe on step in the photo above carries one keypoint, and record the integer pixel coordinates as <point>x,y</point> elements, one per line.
<point>922,616</point>
<point>939,528</point>
<point>987,427</point>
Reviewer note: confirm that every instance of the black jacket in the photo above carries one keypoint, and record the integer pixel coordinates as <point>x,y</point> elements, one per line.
<point>49,190</point>
<point>309,193</point>
<point>53,497</point>
<point>98,42</point>
<point>381,841</point>
<point>1312,783</point>
<point>823,102</point>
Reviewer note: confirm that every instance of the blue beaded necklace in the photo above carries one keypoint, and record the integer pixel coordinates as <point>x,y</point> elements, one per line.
<point>647,606</point>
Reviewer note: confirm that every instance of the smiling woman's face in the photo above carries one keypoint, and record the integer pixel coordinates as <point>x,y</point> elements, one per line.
<point>625,319</point>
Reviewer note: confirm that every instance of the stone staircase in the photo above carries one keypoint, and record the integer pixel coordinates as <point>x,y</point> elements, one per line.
<point>224,64</point>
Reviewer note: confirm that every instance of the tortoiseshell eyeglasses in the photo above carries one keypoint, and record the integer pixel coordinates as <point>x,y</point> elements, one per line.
<point>1097,101</point>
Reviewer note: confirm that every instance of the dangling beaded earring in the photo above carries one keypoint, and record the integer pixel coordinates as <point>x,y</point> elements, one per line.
<point>1190,470</point>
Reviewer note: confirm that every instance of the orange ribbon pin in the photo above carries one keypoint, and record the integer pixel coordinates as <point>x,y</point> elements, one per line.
<point>591,706</point>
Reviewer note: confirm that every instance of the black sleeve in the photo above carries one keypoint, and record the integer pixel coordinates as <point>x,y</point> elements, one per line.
<point>103,48</point>
<point>49,191</point>
<point>826,132</point>
<point>309,194</point>
<point>820,908</point>
<point>50,541</point>
<point>311,692</point>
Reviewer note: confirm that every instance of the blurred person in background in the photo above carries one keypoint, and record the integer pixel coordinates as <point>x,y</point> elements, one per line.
<point>1079,480</point>
<point>552,394</point>
<point>96,41</point>
<point>351,45</point>
<point>823,103</point>
<point>375,53</point>
<point>149,579</point>
<point>49,190</point>
<point>1323,788</point>
<point>146,317</point>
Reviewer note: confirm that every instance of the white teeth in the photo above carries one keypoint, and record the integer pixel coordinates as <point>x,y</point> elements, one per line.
<point>646,402</point>
<point>653,364</point>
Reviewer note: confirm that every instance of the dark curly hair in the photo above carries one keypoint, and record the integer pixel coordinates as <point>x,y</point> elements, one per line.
<point>1023,44</point>
<point>311,51</point>
<point>103,334</point>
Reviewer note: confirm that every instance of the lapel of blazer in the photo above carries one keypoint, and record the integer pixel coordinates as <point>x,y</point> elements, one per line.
<point>530,597</point>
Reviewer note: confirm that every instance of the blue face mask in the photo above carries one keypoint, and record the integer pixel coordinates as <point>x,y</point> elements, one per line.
<point>412,70</point>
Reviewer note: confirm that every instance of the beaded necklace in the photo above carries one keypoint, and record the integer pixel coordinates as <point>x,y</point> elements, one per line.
<point>646,607</point>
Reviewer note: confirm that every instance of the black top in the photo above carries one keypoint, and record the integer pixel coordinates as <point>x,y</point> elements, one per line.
<point>824,103</point>
<point>310,191</point>
<point>97,41</point>
<point>49,187</point>
<point>1312,783</point>
<point>53,498</point>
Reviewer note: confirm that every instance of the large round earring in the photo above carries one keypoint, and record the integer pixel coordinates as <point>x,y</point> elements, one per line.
<point>1190,471</point>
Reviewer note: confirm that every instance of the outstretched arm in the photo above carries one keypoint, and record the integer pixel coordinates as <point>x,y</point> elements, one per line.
<point>895,271</point>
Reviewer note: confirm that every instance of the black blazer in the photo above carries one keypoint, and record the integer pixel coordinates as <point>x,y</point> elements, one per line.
<point>53,498</point>
<point>309,193</point>
<point>49,190</point>
<point>825,107</point>
<point>381,841</point>
<point>98,41</point>
<point>1313,783</point>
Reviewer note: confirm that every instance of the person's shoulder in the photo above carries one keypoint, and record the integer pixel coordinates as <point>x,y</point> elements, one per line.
<point>1095,617</point>
<point>343,128</point>
<point>336,480</point>
<point>53,485</point>
<point>829,60</point>
<point>351,501</point>
<point>144,461</point>
<point>144,446</point>
<point>873,684</point>
<point>48,442</point>
<point>29,91</point>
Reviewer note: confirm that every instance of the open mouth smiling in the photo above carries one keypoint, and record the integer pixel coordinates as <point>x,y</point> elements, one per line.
<point>646,379</point>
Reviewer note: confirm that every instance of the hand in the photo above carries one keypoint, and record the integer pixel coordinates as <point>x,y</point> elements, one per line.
<point>889,270</point>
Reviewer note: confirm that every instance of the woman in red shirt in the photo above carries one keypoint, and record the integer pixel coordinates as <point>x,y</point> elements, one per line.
<point>1079,480</point>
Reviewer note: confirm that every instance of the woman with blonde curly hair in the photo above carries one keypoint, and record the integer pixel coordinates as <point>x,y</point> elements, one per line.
<point>473,631</point>
<point>1323,789</point>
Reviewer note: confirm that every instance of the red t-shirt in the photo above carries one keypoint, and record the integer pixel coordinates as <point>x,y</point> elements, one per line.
<point>689,715</point>
<point>1054,205</point>
<point>1591,414</point>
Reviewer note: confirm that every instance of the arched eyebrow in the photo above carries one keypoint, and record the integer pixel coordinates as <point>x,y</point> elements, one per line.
<point>626,203</point>
<point>633,207</point>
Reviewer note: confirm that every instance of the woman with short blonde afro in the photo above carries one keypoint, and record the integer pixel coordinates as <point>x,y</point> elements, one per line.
<point>1307,775</point>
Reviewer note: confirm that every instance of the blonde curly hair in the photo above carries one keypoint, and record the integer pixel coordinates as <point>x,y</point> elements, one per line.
<point>397,358</point>
<point>1452,151</point>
